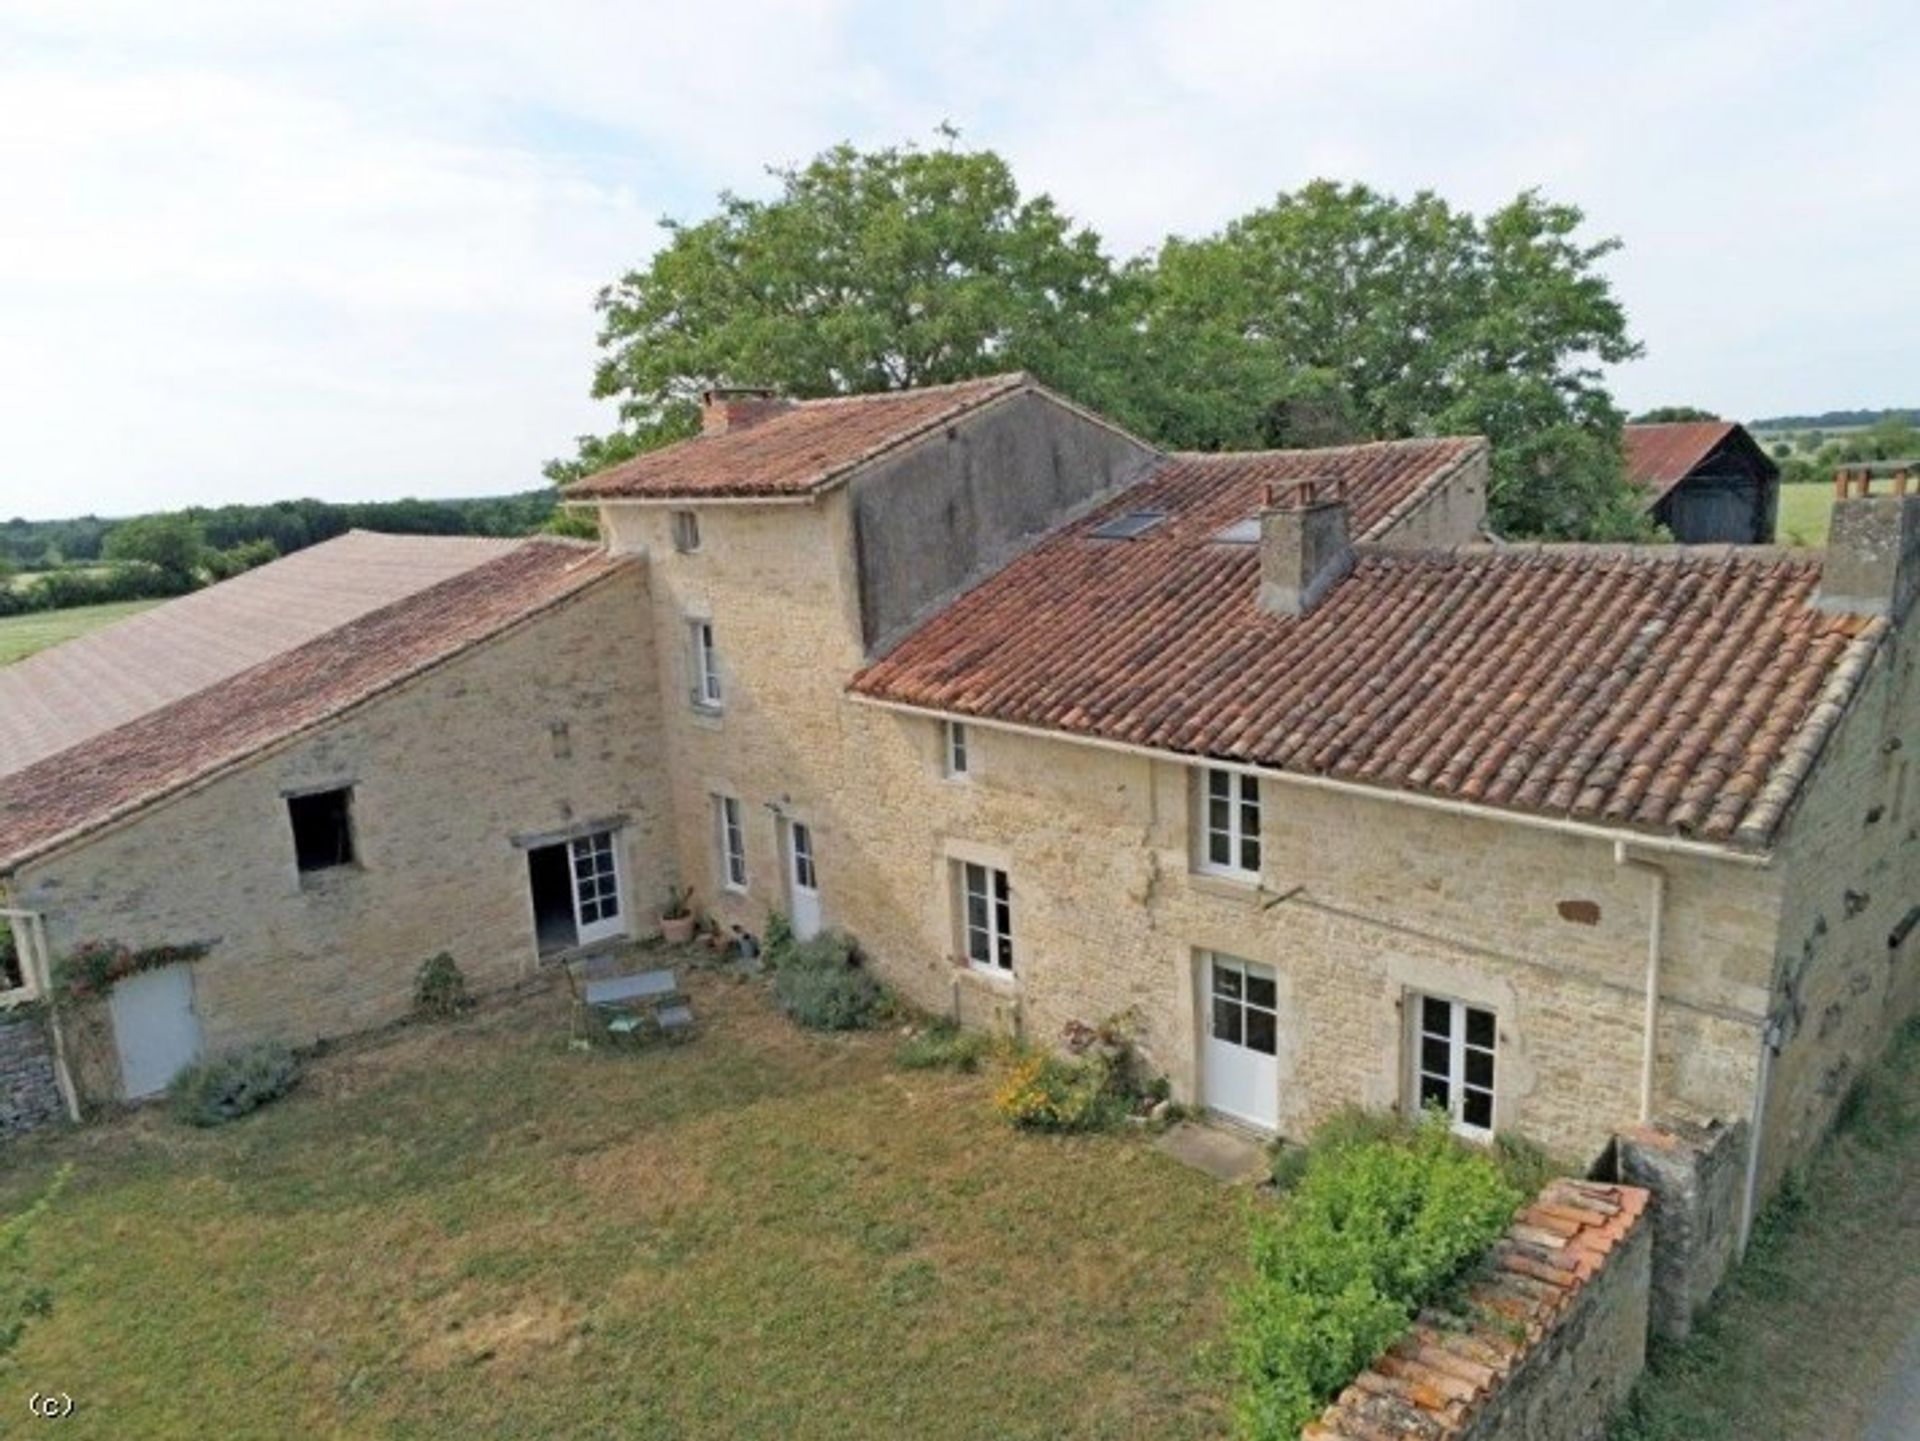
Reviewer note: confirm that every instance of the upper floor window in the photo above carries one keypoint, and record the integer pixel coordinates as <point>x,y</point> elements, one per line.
<point>706,666</point>
<point>987,918</point>
<point>322,829</point>
<point>1453,1062</point>
<point>1229,824</point>
<point>731,833</point>
<point>954,741</point>
<point>686,531</point>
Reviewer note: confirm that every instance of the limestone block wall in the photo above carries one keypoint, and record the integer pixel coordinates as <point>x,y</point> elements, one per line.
<point>1552,1343</point>
<point>1848,974</point>
<point>29,1093</point>
<point>1696,1178</point>
<point>550,724</point>
<point>1362,900</point>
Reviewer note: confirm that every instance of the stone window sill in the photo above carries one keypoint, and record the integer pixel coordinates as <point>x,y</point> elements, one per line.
<point>1227,888</point>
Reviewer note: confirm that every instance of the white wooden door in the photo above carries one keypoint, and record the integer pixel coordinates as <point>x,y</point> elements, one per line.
<point>803,881</point>
<point>155,1029</point>
<point>1242,1071</point>
<point>597,910</point>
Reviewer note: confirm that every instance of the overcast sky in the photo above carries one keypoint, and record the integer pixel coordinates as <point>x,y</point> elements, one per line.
<point>253,251</point>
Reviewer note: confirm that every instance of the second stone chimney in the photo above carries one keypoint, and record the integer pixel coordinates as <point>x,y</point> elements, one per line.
<point>1873,548</point>
<point>735,407</point>
<point>1304,548</point>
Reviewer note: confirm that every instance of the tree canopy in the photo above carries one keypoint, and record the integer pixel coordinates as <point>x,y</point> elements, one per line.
<point>1336,313</point>
<point>876,270</point>
<point>1672,414</point>
<point>173,543</point>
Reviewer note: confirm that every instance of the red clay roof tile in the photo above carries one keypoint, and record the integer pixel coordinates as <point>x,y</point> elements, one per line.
<point>1662,689</point>
<point>797,450</point>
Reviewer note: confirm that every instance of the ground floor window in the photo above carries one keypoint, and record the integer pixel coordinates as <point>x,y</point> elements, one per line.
<point>731,833</point>
<point>988,917</point>
<point>1454,1061</point>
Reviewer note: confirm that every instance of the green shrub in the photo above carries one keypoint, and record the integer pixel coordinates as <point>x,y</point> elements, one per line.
<point>778,942</point>
<point>227,1087</point>
<point>1381,1221</point>
<point>846,999</point>
<point>1046,1092</point>
<point>439,989</point>
<point>828,951</point>
<point>943,1046</point>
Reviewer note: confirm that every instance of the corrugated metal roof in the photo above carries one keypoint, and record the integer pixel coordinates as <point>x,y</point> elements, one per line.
<point>1659,457</point>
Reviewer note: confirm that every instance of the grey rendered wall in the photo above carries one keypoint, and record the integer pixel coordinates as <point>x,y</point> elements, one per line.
<point>962,503</point>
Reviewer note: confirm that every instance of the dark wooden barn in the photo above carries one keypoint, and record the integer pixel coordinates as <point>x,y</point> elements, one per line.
<point>1708,482</point>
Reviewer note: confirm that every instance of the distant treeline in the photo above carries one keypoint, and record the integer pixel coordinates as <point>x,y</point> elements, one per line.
<point>289,525</point>
<point>1833,419</point>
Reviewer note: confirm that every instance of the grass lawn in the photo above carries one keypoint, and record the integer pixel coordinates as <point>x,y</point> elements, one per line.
<point>1804,510</point>
<point>22,635</point>
<point>1810,1329</point>
<point>471,1230</point>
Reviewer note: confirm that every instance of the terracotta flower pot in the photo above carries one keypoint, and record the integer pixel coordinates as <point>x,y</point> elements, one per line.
<point>676,930</point>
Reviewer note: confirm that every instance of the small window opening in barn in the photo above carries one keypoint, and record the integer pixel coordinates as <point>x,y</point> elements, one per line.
<point>13,970</point>
<point>1131,526</point>
<point>686,531</point>
<point>322,829</point>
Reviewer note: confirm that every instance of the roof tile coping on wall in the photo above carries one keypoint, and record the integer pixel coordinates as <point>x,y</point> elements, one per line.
<point>1441,1375</point>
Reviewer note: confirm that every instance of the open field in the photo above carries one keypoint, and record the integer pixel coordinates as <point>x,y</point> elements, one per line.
<point>1804,511</point>
<point>471,1230</point>
<point>1809,1334</point>
<point>22,635</point>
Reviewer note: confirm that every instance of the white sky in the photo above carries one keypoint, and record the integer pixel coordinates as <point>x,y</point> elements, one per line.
<point>349,250</point>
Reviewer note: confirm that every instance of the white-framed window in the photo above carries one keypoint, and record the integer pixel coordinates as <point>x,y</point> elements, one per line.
<point>986,919</point>
<point>706,665</point>
<point>1454,1060</point>
<point>686,531</point>
<point>955,757</point>
<point>1229,824</point>
<point>731,835</point>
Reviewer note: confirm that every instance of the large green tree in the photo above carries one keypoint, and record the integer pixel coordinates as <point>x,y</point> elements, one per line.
<point>171,542</point>
<point>873,270</point>
<point>1336,313</point>
<point>1339,307</point>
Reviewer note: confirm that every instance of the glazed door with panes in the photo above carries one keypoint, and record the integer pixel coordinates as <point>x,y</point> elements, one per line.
<point>803,881</point>
<point>1242,1069</point>
<point>597,911</point>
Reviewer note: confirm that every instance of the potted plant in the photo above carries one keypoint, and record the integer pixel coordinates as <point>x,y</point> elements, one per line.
<point>677,918</point>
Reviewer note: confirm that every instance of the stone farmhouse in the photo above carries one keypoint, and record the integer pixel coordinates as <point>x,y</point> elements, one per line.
<point>1275,751</point>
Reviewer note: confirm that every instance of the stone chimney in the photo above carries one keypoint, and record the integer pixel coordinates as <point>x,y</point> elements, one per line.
<point>1304,549</point>
<point>1873,548</point>
<point>735,407</point>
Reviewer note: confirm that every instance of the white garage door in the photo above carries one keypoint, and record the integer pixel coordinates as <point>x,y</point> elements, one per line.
<point>155,1028</point>
<point>1242,1070</point>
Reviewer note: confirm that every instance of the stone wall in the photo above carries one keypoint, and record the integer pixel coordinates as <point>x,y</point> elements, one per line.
<point>1847,975</point>
<point>550,724</point>
<point>1549,1345</point>
<point>1696,1176</point>
<point>1361,902</point>
<point>29,1091</point>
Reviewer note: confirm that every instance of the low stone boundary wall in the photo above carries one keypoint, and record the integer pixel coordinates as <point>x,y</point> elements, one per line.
<point>29,1090</point>
<point>1554,1337</point>
<point>1696,1176</point>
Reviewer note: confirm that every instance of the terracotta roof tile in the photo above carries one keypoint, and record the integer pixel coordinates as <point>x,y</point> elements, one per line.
<point>798,450</point>
<point>1674,689</point>
<point>112,774</point>
<point>1436,1380</point>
